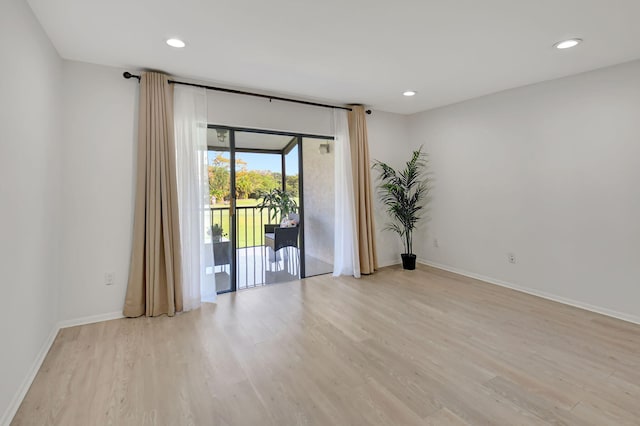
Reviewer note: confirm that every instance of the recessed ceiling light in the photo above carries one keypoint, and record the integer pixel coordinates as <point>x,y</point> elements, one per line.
<point>566,44</point>
<point>174,42</point>
<point>410,93</point>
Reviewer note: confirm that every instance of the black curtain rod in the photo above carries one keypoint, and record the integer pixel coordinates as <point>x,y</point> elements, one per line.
<point>128,75</point>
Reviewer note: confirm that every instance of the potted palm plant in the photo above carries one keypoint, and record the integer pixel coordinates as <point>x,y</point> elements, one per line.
<point>404,194</point>
<point>217,233</point>
<point>277,202</point>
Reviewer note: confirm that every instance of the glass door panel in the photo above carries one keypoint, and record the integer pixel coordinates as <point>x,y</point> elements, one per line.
<point>219,255</point>
<point>250,220</point>
<point>318,188</point>
<point>291,262</point>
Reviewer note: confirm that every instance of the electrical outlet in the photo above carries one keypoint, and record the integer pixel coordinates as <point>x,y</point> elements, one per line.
<point>511,257</point>
<point>436,243</point>
<point>108,278</point>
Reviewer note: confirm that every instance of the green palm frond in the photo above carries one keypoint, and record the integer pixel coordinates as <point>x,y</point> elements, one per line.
<point>277,202</point>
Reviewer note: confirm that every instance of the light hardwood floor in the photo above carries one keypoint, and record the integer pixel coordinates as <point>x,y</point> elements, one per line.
<point>398,348</point>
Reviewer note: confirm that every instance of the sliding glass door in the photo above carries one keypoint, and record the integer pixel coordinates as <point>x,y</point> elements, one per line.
<point>250,245</point>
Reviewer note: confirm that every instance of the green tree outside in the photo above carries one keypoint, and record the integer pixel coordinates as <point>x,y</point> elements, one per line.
<point>249,183</point>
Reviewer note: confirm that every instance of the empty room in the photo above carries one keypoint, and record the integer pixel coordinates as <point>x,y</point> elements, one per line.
<point>319,213</point>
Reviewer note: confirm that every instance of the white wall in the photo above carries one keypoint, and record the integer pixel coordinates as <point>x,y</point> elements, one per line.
<point>245,111</point>
<point>549,172</point>
<point>30,73</point>
<point>100,110</point>
<point>388,142</point>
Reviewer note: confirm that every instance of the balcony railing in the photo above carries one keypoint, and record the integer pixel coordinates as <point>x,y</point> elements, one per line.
<point>255,263</point>
<point>250,224</point>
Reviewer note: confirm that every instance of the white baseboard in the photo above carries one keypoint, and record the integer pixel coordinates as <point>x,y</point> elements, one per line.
<point>90,319</point>
<point>582,305</point>
<point>388,262</point>
<point>12,409</point>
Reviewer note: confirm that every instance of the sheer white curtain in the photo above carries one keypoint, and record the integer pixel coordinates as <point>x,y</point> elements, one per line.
<point>190,122</point>
<point>346,258</point>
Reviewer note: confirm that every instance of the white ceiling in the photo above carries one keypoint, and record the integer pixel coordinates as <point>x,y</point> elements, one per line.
<point>350,51</point>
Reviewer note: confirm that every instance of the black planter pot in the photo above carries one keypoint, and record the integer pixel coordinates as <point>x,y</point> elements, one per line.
<point>408,261</point>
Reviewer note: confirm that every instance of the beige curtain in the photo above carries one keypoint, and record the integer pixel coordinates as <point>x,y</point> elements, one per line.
<point>155,286</point>
<point>362,189</point>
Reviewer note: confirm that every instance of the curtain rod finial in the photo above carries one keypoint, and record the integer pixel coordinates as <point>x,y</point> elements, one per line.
<point>368,111</point>
<point>128,75</point>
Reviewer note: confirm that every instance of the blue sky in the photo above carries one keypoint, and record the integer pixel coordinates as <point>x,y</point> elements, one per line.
<point>270,162</point>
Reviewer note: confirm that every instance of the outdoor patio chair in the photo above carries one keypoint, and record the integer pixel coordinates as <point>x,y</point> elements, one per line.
<point>278,238</point>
